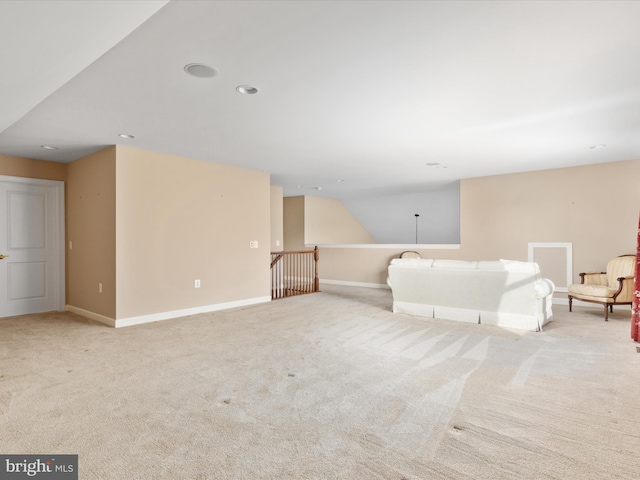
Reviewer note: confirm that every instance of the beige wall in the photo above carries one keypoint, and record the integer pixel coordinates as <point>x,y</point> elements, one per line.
<point>326,220</point>
<point>26,167</point>
<point>91,228</point>
<point>146,225</point>
<point>593,207</point>
<point>179,220</point>
<point>277,219</point>
<point>293,212</point>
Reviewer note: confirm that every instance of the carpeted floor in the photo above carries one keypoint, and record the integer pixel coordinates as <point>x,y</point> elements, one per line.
<point>325,386</point>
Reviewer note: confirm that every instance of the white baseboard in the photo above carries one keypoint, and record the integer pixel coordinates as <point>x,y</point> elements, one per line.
<point>111,322</point>
<point>156,317</point>
<point>355,284</point>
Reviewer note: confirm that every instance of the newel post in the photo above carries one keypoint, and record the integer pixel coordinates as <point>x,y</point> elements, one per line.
<point>316,280</point>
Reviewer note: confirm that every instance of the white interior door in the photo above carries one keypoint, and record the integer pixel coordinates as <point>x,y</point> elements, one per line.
<point>32,244</point>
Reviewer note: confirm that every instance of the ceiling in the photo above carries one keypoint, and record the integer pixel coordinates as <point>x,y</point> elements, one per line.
<point>366,92</point>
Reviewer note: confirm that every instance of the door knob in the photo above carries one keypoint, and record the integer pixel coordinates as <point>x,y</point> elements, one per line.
<point>2,257</point>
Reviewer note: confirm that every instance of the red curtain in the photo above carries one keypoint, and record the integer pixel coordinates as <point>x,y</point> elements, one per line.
<point>635,307</point>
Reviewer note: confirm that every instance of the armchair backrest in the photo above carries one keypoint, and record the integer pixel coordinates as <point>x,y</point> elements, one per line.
<point>410,254</point>
<point>622,266</point>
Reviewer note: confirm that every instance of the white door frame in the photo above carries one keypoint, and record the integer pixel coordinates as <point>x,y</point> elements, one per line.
<point>59,234</point>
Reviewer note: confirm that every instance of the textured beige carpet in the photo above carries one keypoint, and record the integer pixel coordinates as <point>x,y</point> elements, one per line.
<point>325,386</point>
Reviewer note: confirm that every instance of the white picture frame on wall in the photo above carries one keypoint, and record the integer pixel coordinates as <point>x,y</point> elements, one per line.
<point>555,260</point>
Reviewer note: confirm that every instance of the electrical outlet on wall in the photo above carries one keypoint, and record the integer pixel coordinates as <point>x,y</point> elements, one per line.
<point>253,244</point>
<point>197,283</point>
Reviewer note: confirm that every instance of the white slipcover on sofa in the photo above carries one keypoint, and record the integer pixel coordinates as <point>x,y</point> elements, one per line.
<point>504,293</point>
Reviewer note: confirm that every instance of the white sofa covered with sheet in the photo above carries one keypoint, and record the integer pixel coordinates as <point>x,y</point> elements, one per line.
<point>505,293</point>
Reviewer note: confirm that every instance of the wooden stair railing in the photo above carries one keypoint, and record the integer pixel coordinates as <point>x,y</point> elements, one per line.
<point>294,273</point>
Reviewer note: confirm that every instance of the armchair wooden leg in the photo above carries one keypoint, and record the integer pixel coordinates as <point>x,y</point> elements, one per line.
<point>570,302</point>
<point>606,312</point>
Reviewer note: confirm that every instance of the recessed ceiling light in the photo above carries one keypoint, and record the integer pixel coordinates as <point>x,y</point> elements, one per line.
<point>600,145</point>
<point>432,164</point>
<point>299,186</point>
<point>126,135</point>
<point>340,180</point>
<point>318,188</point>
<point>49,147</point>
<point>247,89</point>
<point>200,70</point>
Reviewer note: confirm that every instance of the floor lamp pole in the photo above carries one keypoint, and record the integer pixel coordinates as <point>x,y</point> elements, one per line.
<point>417,228</point>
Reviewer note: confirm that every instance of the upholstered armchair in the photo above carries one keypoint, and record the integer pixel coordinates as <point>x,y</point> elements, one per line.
<point>613,287</point>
